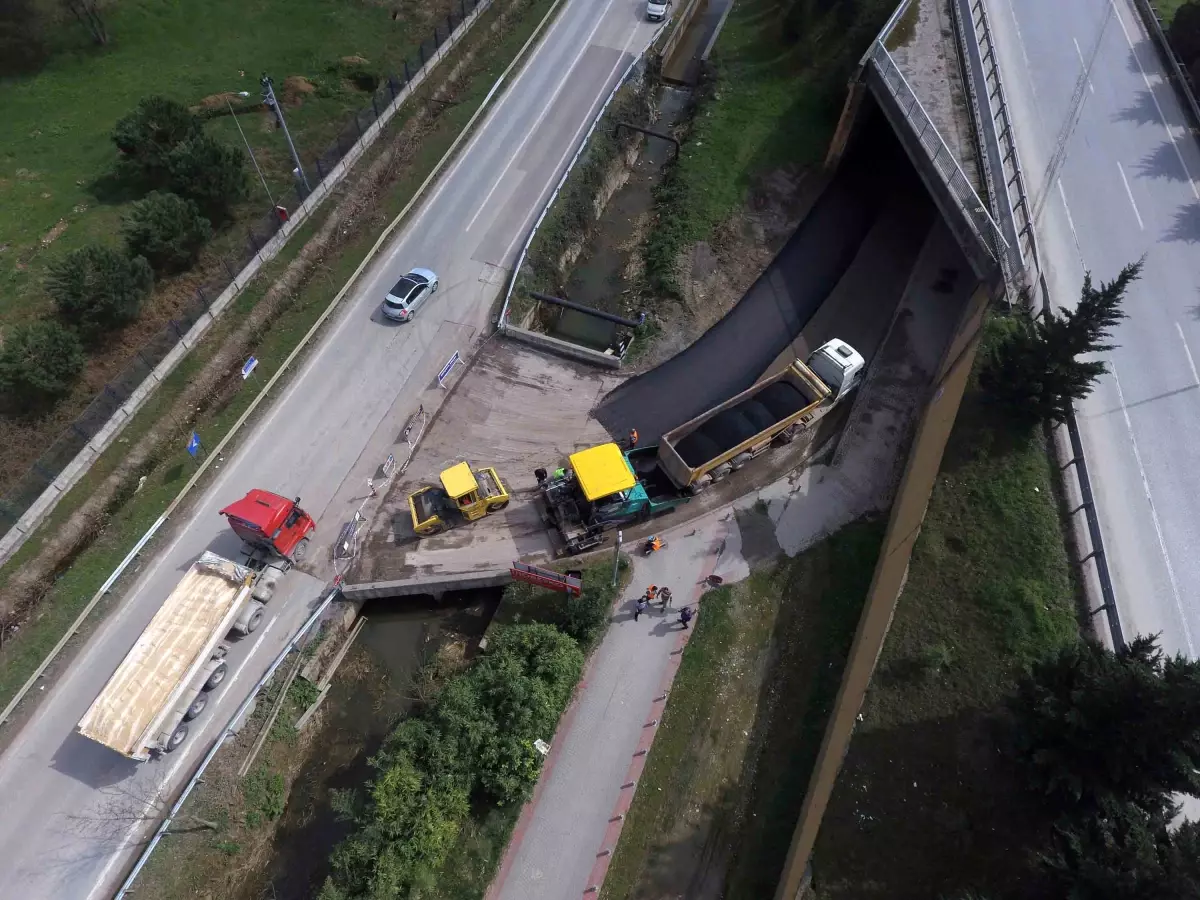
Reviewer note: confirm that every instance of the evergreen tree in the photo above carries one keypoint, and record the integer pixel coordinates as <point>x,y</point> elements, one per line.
<point>1093,725</point>
<point>97,288</point>
<point>1033,371</point>
<point>39,364</point>
<point>147,135</point>
<point>210,173</point>
<point>166,229</point>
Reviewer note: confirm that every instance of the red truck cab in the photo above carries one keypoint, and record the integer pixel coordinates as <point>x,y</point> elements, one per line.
<point>271,524</point>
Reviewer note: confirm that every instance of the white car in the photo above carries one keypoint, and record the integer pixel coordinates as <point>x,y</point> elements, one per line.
<point>656,10</point>
<point>403,300</point>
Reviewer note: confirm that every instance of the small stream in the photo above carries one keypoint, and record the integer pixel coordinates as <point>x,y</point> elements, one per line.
<point>357,716</point>
<point>598,278</point>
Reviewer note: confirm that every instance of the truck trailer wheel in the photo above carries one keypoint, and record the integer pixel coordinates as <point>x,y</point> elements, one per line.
<point>178,736</point>
<point>255,620</point>
<point>197,707</point>
<point>217,676</point>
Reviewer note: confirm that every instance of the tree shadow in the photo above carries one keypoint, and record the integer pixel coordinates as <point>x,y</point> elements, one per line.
<point>1186,226</point>
<point>1143,111</point>
<point>116,187</point>
<point>1163,162</point>
<point>930,809</point>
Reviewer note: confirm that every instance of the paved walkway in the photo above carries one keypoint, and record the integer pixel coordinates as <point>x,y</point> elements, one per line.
<point>597,756</point>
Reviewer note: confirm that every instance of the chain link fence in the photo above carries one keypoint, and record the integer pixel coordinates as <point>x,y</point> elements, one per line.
<point>30,486</point>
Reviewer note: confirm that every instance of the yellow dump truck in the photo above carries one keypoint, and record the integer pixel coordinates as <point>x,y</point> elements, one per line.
<point>464,495</point>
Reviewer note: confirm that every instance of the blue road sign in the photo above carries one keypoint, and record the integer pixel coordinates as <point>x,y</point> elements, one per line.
<point>248,366</point>
<point>193,445</point>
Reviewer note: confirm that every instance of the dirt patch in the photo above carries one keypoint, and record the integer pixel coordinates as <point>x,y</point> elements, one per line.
<point>714,275</point>
<point>356,209</point>
<point>295,88</point>
<point>216,101</point>
<point>53,234</point>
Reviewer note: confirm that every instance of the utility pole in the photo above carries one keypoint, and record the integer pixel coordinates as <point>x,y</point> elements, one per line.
<point>270,101</point>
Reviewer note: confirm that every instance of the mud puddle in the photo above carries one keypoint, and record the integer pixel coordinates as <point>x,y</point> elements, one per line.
<point>372,690</point>
<point>600,279</point>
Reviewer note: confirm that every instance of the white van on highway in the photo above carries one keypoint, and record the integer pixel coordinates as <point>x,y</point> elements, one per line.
<point>656,10</point>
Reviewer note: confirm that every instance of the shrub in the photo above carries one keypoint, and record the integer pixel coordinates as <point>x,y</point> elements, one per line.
<point>97,287</point>
<point>1184,32</point>
<point>147,136</point>
<point>210,173</point>
<point>39,364</point>
<point>167,230</point>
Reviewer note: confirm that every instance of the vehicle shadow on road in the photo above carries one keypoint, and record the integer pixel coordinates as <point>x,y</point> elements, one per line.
<point>91,764</point>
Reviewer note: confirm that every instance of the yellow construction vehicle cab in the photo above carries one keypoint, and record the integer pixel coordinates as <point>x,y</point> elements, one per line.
<point>463,494</point>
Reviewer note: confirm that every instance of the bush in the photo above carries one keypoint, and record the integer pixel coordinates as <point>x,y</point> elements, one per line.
<point>96,288</point>
<point>148,135</point>
<point>1184,33</point>
<point>39,364</point>
<point>167,230</point>
<point>210,173</point>
<point>22,44</point>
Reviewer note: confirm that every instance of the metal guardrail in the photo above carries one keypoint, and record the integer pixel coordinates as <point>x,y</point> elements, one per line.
<point>1002,167</point>
<point>502,317</point>
<point>31,497</point>
<point>221,739</point>
<point>940,156</point>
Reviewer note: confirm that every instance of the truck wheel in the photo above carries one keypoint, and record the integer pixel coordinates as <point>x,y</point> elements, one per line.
<point>300,550</point>
<point>217,676</point>
<point>178,736</point>
<point>496,507</point>
<point>197,707</point>
<point>255,620</point>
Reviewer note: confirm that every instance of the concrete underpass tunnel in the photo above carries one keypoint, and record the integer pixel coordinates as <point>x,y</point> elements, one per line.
<point>842,274</point>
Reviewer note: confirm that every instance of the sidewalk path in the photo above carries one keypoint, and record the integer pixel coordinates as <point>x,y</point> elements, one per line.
<point>558,854</point>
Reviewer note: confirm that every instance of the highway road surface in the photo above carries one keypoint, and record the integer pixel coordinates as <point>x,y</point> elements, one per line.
<point>73,811</point>
<point>1084,81</point>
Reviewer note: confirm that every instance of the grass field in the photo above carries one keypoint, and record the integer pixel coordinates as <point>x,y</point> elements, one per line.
<point>56,155</point>
<point>717,803</point>
<point>926,804</point>
<point>22,652</point>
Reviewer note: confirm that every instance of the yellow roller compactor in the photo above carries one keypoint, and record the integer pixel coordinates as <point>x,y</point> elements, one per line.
<point>464,495</point>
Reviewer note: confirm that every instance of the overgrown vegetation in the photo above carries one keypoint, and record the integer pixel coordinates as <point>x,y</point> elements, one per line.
<point>462,764</point>
<point>572,217</point>
<point>718,800</point>
<point>928,804</point>
<point>772,97</point>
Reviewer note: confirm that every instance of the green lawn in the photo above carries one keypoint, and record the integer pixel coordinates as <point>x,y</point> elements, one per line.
<point>1167,8</point>
<point>926,804</point>
<point>721,792</point>
<point>55,141</point>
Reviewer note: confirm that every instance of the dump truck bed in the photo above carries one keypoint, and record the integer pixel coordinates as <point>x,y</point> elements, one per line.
<point>742,422</point>
<point>180,639</point>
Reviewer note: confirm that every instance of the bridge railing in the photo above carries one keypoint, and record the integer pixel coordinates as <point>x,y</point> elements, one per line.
<point>941,159</point>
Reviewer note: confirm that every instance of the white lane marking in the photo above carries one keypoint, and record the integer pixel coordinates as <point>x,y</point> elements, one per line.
<point>571,143</point>
<point>1162,543</point>
<point>1071,223</point>
<point>1188,351</point>
<point>1154,98</point>
<point>562,83</point>
<point>144,816</point>
<point>1082,62</point>
<point>1132,203</point>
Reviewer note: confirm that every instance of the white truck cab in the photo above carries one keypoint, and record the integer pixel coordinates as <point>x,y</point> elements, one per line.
<point>656,10</point>
<point>838,365</point>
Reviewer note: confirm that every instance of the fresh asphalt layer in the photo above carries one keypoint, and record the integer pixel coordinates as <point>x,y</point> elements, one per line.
<point>1086,83</point>
<point>832,252</point>
<point>74,811</point>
